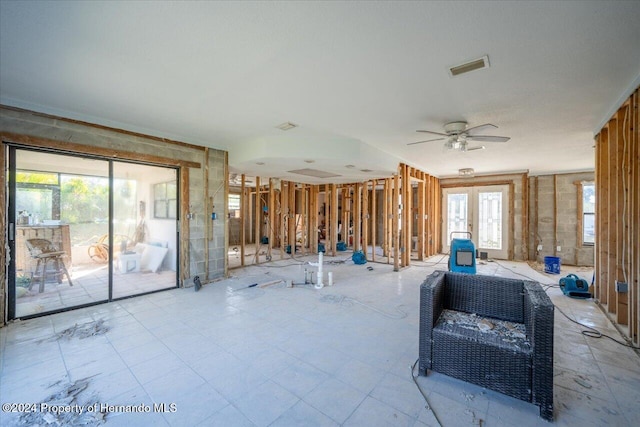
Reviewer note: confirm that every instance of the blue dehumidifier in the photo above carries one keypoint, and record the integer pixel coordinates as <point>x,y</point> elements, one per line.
<point>463,254</point>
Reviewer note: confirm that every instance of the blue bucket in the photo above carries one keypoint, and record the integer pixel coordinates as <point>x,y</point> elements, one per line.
<point>552,264</point>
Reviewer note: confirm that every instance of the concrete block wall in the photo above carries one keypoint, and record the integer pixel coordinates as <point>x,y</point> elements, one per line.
<point>553,219</point>
<point>217,239</point>
<point>42,126</point>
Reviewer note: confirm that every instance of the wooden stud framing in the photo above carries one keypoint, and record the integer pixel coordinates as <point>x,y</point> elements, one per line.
<point>421,220</point>
<point>429,217</point>
<point>257,218</point>
<point>618,215</point>
<point>3,235</point>
<point>243,216</point>
<point>271,211</point>
<point>613,217</point>
<point>304,217</point>
<point>395,222</point>
<point>622,258</point>
<point>357,215</point>
<point>634,218</point>
<point>284,217</point>
<point>386,230</point>
<point>602,199</point>
<point>536,214</point>
<point>334,219</point>
<point>525,217</point>
<point>359,203</point>
<point>555,215</point>
<point>313,220</point>
<point>365,220</point>
<point>511,220</point>
<point>292,217</point>
<point>374,219</point>
<point>184,225</point>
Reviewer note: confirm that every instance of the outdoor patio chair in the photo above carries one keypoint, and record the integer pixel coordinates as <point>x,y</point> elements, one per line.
<point>490,331</point>
<point>46,253</point>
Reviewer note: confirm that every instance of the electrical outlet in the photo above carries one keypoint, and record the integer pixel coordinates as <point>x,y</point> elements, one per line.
<point>539,248</point>
<point>622,287</point>
<point>559,248</point>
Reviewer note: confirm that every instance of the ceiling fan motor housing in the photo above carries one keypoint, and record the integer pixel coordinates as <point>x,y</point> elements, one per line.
<point>453,128</point>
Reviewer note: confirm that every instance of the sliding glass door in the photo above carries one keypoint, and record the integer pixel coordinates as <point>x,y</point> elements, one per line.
<point>84,231</point>
<point>145,200</point>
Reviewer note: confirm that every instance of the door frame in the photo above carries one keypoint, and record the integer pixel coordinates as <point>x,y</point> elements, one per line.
<point>508,209</point>
<point>10,149</point>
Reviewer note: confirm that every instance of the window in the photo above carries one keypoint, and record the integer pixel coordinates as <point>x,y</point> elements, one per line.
<point>588,213</point>
<point>165,200</point>
<point>234,205</point>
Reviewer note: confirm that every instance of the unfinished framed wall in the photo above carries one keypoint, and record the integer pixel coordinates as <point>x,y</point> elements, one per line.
<point>279,219</point>
<point>617,256</point>
<point>202,175</point>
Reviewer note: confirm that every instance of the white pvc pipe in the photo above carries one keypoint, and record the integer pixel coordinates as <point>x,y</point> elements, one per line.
<point>319,285</point>
<point>330,275</point>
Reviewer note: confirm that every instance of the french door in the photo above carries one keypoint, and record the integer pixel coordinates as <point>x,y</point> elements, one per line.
<point>480,211</point>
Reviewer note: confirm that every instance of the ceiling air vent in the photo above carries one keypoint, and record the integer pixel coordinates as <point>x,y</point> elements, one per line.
<point>314,173</point>
<point>287,126</point>
<point>476,64</point>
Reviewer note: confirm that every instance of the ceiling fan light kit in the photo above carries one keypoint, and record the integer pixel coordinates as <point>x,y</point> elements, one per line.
<point>457,134</point>
<point>466,172</point>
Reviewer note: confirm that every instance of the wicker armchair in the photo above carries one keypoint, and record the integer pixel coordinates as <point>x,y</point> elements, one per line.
<point>516,364</point>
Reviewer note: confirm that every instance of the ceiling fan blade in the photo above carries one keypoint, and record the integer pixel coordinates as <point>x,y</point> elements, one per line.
<point>428,140</point>
<point>488,138</point>
<point>476,148</point>
<point>432,132</point>
<point>479,127</point>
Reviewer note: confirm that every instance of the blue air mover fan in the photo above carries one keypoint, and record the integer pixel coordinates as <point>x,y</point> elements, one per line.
<point>463,254</point>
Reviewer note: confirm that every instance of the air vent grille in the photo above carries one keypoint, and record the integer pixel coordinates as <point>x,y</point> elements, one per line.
<point>314,173</point>
<point>476,64</point>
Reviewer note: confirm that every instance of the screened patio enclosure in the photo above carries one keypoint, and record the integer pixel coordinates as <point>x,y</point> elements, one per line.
<point>84,230</point>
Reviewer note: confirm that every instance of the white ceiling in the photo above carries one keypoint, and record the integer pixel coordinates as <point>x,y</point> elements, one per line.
<point>357,77</point>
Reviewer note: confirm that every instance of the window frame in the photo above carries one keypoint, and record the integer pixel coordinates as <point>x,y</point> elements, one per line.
<point>170,209</point>
<point>582,213</point>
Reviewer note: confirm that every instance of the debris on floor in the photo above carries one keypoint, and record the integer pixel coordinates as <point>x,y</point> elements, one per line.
<point>467,396</point>
<point>64,408</point>
<point>583,381</point>
<point>509,331</point>
<point>87,330</point>
<point>474,420</point>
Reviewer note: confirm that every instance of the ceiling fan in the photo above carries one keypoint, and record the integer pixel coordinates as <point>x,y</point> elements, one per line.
<point>457,136</point>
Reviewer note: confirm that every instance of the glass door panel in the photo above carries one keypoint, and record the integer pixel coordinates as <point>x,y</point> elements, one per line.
<point>145,206</point>
<point>483,212</point>
<point>491,220</point>
<point>60,206</point>
<point>457,214</point>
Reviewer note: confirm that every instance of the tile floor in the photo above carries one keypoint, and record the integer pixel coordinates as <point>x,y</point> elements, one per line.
<point>233,355</point>
<point>90,284</point>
